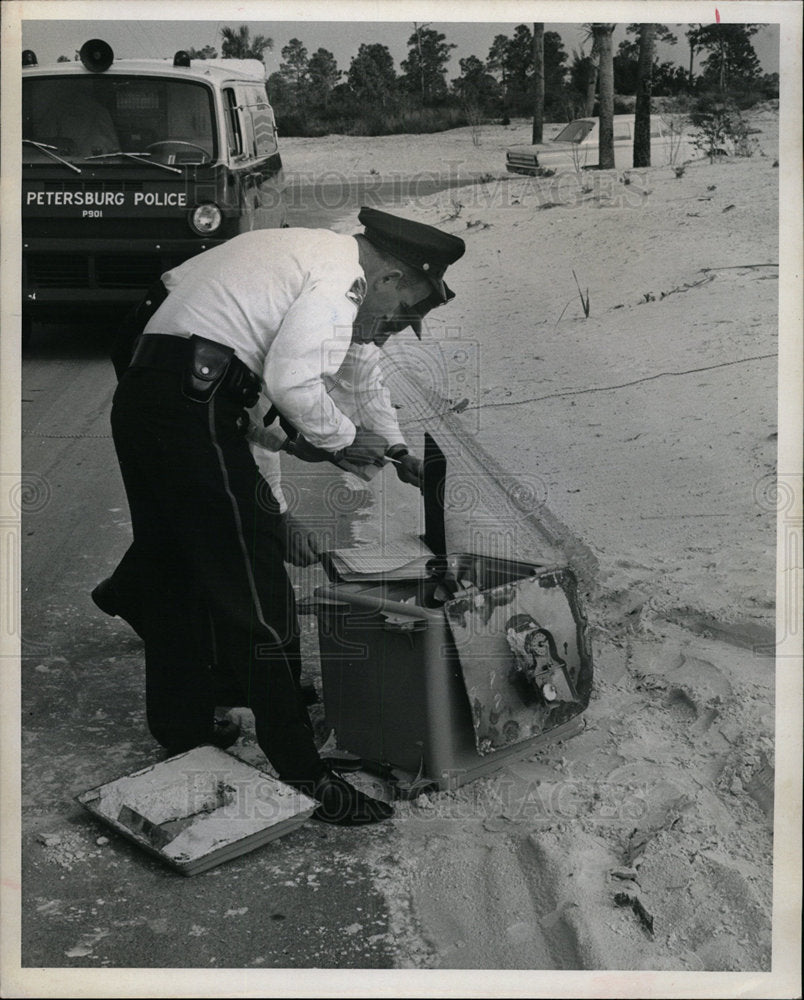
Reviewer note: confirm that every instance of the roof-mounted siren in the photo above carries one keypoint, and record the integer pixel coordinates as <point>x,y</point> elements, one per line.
<point>29,58</point>
<point>96,55</point>
<point>181,58</point>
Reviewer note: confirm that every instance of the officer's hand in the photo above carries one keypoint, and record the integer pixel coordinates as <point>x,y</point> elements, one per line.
<point>367,448</point>
<point>409,468</point>
<point>300,447</point>
<point>299,543</point>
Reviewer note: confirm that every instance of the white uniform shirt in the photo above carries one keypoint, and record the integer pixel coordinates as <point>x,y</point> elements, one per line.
<point>279,298</point>
<point>285,300</point>
<point>358,390</point>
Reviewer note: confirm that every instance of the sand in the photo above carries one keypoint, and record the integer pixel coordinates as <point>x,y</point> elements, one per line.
<point>651,427</point>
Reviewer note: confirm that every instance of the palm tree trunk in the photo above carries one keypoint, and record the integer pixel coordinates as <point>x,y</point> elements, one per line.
<point>603,34</point>
<point>647,34</point>
<point>591,82</point>
<point>538,83</point>
<point>421,61</point>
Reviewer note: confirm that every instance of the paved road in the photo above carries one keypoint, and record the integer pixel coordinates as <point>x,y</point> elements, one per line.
<point>304,901</point>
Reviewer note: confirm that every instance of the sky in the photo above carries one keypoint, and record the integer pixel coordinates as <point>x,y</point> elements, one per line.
<point>151,38</point>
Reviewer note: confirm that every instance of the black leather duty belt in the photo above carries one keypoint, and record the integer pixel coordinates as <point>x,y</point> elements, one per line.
<point>206,367</point>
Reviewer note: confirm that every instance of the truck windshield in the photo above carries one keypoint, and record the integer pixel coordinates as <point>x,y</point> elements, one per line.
<point>576,131</point>
<point>171,121</point>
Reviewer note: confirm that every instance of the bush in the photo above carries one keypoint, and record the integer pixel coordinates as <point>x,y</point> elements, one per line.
<point>748,99</point>
<point>721,128</point>
<point>407,121</point>
<point>399,119</point>
<point>291,123</point>
<point>677,104</point>
<point>427,120</point>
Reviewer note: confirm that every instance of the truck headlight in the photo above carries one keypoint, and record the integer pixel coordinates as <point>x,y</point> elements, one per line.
<point>206,218</point>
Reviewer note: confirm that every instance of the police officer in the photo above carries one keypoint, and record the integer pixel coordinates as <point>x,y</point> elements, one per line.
<point>271,310</point>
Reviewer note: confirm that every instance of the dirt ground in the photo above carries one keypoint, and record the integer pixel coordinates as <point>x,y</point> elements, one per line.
<point>651,424</point>
<point>650,429</point>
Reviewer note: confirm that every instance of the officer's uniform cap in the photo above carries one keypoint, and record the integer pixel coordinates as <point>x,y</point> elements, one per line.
<point>422,247</point>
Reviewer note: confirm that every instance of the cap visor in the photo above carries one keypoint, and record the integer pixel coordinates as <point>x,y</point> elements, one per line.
<point>440,287</point>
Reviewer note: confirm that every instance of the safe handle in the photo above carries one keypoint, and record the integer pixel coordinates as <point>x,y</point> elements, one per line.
<point>403,623</point>
<point>312,605</point>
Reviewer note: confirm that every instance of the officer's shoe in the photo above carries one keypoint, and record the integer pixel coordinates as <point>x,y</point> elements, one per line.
<point>344,805</point>
<point>225,733</point>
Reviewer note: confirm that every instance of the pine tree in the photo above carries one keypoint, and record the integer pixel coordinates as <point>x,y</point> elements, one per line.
<point>475,86</point>
<point>371,76</point>
<point>538,83</point>
<point>513,60</point>
<point>294,68</point>
<point>731,61</point>
<point>426,65</point>
<point>497,61</point>
<point>323,74</point>
<point>519,66</point>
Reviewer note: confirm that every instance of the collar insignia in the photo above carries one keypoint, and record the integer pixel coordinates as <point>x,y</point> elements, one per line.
<point>358,291</point>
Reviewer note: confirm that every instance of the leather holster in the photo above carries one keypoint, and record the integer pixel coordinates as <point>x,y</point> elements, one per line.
<point>207,364</point>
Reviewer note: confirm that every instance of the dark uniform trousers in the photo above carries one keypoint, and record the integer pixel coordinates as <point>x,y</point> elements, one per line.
<point>208,552</point>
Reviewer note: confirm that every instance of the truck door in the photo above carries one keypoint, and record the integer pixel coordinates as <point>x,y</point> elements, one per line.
<point>250,120</point>
<point>237,158</point>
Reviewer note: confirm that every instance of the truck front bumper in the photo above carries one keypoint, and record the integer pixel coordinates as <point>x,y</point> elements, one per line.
<point>75,275</point>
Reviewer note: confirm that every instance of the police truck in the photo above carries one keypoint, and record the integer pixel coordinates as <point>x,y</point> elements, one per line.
<point>131,166</point>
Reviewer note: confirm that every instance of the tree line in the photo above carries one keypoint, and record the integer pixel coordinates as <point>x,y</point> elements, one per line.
<point>528,73</point>
<point>531,68</point>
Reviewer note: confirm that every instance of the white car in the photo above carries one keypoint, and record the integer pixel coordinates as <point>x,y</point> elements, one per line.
<point>577,146</point>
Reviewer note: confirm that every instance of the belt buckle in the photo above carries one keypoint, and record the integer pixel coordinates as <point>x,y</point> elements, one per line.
<point>242,381</point>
